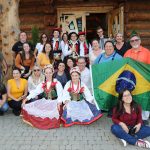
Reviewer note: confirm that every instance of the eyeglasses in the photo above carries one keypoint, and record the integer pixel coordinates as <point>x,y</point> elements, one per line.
<point>36,70</point>
<point>44,37</point>
<point>81,62</point>
<point>136,40</point>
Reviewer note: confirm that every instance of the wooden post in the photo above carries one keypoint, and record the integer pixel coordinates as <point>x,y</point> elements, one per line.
<point>9,26</point>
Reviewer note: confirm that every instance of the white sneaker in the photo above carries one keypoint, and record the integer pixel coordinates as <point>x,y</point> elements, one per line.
<point>148,143</point>
<point>142,143</point>
<point>124,142</point>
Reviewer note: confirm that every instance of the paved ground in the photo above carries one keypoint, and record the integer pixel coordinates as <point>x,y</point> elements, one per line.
<point>16,135</point>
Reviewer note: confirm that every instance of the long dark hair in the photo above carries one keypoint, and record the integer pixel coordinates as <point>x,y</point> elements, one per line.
<point>64,35</point>
<point>15,68</point>
<point>120,108</point>
<point>22,54</point>
<point>50,53</point>
<point>41,38</point>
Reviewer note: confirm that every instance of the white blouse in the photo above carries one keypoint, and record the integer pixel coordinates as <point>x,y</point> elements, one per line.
<point>39,90</point>
<point>39,47</point>
<point>32,85</point>
<point>86,92</point>
<point>65,49</point>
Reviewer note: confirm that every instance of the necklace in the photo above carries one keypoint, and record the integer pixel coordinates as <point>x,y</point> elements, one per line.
<point>77,89</point>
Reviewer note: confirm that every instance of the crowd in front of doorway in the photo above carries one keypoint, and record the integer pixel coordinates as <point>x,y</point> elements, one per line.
<point>51,84</point>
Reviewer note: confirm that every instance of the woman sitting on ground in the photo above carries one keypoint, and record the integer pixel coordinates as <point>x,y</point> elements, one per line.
<point>17,89</point>
<point>78,102</point>
<point>128,122</point>
<point>3,98</point>
<point>35,79</point>
<point>44,113</point>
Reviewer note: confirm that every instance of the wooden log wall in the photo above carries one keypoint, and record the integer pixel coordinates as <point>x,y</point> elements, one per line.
<point>137,17</point>
<point>39,13</point>
<point>43,13</point>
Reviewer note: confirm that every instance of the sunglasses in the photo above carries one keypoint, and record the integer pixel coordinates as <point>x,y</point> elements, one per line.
<point>36,70</point>
<point>136,40</point>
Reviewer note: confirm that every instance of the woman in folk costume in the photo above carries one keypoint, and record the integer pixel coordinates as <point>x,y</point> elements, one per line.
<point>44,113</point>
<point>79,107</point>
<point>56,46</point>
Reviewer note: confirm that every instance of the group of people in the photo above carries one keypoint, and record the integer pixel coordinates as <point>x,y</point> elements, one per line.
<point>51,84</point>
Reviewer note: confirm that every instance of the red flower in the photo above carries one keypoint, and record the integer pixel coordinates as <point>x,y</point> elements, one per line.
<point>69,89</point>
<point>81,90</point>
<point>53,84</point>
<point>43,85</point>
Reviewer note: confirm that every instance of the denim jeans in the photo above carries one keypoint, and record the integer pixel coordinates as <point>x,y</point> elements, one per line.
<point>120,133</point>
<point>4,108</point>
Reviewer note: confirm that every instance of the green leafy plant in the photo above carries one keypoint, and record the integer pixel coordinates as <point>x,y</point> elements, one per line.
<point>35,36</point>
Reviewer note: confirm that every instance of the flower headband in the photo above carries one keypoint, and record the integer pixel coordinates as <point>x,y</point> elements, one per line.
<point>75,69</point>
<point>48,66</point>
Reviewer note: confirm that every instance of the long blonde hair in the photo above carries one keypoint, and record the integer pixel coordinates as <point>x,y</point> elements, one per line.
<point>41,77</point>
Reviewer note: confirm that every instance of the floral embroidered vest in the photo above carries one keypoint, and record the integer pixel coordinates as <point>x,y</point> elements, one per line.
<point>51,93</point>
<point>78,94</point>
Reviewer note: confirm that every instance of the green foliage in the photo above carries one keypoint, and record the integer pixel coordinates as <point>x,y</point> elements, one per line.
<point>35,35</point>
<point>134,32</point>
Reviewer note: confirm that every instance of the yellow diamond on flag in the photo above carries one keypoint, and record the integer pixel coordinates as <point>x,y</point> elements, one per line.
<point>142,85</point>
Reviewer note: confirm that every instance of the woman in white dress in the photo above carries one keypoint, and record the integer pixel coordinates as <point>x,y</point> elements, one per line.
<point>44,113</point>
<point>79,107</point>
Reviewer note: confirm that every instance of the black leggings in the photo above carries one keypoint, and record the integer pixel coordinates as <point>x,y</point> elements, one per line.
<point>15,105</point>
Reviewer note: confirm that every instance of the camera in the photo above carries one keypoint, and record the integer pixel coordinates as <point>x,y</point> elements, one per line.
<point>132,131</point>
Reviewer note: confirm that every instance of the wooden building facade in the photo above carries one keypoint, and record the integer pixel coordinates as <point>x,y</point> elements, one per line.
<point>113,15</point>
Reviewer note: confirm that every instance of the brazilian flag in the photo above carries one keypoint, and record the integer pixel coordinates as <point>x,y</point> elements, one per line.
<point>104,78</point>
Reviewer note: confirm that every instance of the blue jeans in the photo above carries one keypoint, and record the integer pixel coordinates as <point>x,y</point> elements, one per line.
<point>120,133</point>
<point>4,108</point>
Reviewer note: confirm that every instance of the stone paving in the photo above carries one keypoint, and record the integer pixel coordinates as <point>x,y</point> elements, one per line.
<point>16,135</point>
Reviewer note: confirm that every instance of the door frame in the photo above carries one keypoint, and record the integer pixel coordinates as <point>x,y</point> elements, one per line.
<point>93,9</point>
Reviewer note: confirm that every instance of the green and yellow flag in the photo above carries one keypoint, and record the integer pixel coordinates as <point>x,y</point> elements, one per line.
<point>104,77</point>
